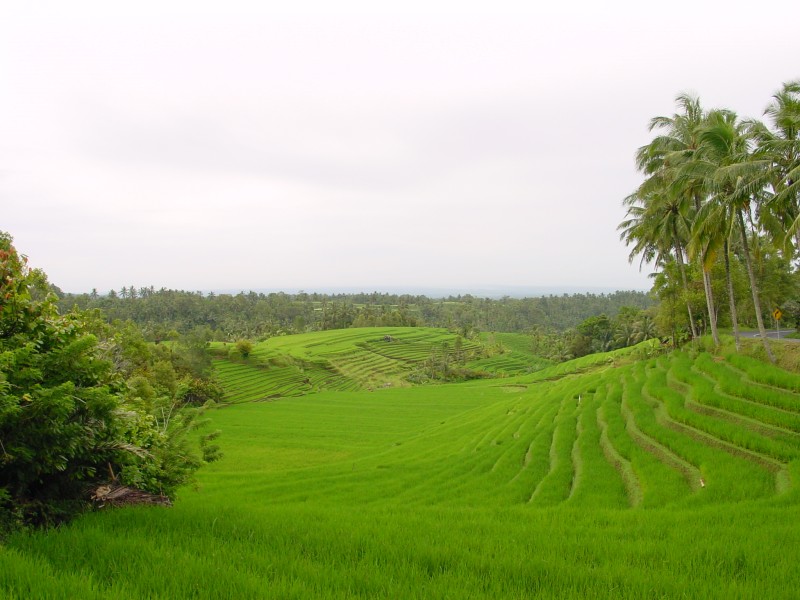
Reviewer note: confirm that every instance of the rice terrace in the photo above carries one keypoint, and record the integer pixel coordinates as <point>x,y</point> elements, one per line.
<point>615,475</point>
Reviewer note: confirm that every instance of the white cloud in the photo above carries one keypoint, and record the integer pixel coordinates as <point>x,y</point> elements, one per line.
<point>313,145</point>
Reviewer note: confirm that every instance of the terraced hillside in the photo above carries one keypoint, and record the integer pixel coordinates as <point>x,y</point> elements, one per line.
<point>356,359</point>
<point>510,355</point>
<point>608,477</point>
<point>676,429</point>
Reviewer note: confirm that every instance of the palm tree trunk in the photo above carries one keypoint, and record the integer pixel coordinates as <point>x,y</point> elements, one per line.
<point>731,298</point>
<point>754,287</point>
<point>679,255</point>
<point>712,315</point>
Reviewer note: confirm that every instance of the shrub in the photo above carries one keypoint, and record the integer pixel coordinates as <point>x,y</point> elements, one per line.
<point>65,423</point>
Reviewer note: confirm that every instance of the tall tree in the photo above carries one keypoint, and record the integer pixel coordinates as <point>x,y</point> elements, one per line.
<point>733,181</point>
<point>658,226</point>
<point>661,161</point>
<point>778,151</point>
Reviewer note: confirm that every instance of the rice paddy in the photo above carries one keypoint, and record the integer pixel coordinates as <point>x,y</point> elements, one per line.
<point>670,477</point>
<point>360,359</point>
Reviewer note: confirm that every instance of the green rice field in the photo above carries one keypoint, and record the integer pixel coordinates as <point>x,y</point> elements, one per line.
<point>360,359</point>
<point>613,476</point>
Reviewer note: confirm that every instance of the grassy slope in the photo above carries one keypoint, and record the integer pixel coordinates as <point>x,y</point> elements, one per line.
<point>515,356</point>
<point>581,482</point>
<point>356,359</point>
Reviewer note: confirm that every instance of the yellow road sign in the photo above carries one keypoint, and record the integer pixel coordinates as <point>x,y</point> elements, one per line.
<point>777,314</point>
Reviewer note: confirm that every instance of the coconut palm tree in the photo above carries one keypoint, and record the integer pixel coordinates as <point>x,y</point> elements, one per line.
<point>658,225</point>
<point>733,181</point>
<point>712,232</point>
<point>778,151</point>
<point>625,334</point>
<point>662,161</point>
<point>644,329</point>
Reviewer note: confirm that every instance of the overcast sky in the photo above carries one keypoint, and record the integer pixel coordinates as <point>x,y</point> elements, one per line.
<point>453,145</point>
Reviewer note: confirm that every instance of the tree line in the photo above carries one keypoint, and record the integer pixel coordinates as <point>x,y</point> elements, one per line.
<point>717,214</point>
<point>168,314</point>
<point>598,333</point>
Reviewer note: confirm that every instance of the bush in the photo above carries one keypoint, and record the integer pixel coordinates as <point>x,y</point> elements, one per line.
<point>65,422</point>
<point>244,348</point>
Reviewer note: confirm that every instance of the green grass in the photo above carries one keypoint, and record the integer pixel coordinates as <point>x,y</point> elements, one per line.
<point>584,481</point>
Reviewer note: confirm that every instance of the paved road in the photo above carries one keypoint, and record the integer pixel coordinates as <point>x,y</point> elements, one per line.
<point>773,335</point>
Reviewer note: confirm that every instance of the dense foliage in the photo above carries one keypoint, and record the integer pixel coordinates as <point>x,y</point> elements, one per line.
<point>598,333</point>
<point>81,403</point>
<point>718,213</point>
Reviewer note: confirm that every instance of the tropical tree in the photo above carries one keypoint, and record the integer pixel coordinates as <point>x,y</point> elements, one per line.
<point>644,329</point>
<point>658,227</point>
<point>710,234</point>
<point>733,182</point>
<point>663,160</point>
<point>666,289</point>
<point>624,334</point>
<point>778,151</point>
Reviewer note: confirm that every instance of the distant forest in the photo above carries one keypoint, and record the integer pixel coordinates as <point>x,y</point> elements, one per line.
<point>164,314</point>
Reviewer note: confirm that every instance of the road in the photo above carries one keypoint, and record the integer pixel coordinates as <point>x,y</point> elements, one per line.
<point>772,334</point>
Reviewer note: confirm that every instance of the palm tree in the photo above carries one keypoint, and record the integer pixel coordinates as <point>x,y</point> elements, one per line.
<point>661,161</point>
<point>733,181</point>
<point>658,226</point>
<point>625,334</point>
<point>711,232</point>
<point>778,151</point>
<point>645,329</point>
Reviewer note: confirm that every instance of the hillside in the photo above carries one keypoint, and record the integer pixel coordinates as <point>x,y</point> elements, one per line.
<point>607,477</point>
<point>679,428</point>
<point>366,359</point>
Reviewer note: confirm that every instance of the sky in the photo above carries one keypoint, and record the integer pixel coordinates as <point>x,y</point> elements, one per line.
<point>353,145</point>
